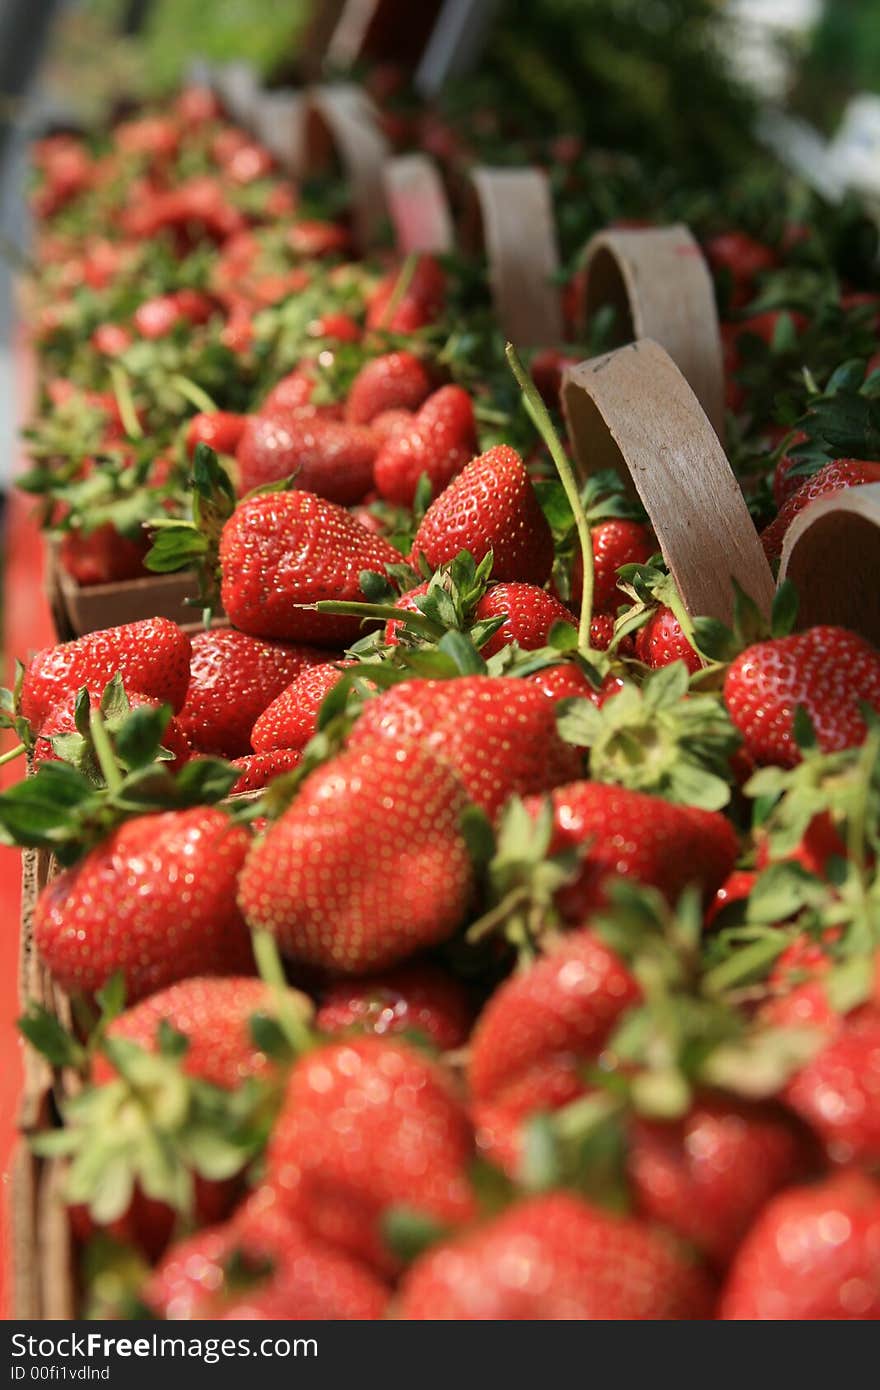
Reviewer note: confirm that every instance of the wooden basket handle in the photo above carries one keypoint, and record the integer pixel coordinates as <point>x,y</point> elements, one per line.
<point>418,204</point>
<point>512,214</point>
<point>278,123</point>
<point>659,283</point>
<point>633,411</point>
<point>341,120</point>
<point>831,553</point>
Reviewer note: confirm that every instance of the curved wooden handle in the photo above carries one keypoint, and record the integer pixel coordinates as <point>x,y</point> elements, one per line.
<point>831,554</point>
<point>659,283</point>
<point>515,222</point>
<point>418,205</point>
<point>277,122</point>
<point>340,119</point>
<point>633,411</point>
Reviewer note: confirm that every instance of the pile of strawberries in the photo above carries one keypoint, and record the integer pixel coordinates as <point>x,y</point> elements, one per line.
<point>457,927</point>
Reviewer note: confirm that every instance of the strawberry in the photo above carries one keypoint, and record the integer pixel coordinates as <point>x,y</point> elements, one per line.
<point>630,834</point>
<point>420,304</point>
<point>61,719</point>
<point>219,429</point>
<point>500,1122</point>
<point>197,106</point>
<point>707,1176</point>
<point>395,381</point>
<point>214,1015</point>
<point>390,423</point>
<point>313,239</point>
<point>292,717</point>
<point>838,1091</point>
<point>157,317</point>
<point>811,1256</point>
<point>415,998</point>
<point>568,682</point>
<point>102,556</point>
<point>341,328</point>
<point>262,1264</point>
<point>111,339</point>
<point>151,656</point>
<point>233,679</point>
<point>552,1258</point>
<point>282,550</point>
<point>797,985</point>
<point>368,1125</point>
<point>407,603</point>
<point>529,613</point>
<point>743,259</point>
<point>736,888</point>
<point>563,1006</point>
<point>491,505</point>
<point>293,394</point>
<point>617,541</point>
<point>329,458</point>
<point>833,477</point>
<point>257,770</point>
<point>827,670</point>
<point>368,864</point>
<point>155,901</point>
<point>498,733</point>
<point>439,444</point>
<point>661,641</point>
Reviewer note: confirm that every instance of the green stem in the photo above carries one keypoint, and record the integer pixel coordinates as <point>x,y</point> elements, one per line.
<point>516,899</point>
<point>383,612</point>
<point>271,971</point>
<point>401,285</point>
<point>104,751</point>
<point>12,754</point>
<point>193,393</point>
<point>122,392</point>
<point>540,418</point>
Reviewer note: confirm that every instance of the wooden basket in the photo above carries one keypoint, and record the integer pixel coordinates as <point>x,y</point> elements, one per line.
<point>77,610</point>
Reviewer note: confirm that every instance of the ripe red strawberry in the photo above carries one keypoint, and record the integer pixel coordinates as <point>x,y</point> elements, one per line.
<point>838,1091</point>
<point>415,998</point>
<point>314,239</point>
<point>708,1175</point>
<point>491,505</point>
<point>155,900</point>
<point>562,1006</point>
<point>616,542</point>
<point>233,679</point>
<point>292,718</point>
<point>111,339</point>
<point>827,670</point>
<point>784,483</point>
<point>151,656</point>
<point>257,770</point>
<point>62,720</point>
<point>156,317</point>
<point>498,733</point>
<point>213,1014</point>
<point>102,556</point>
<point>406,602</point>
<point>395,381</point>
<point>441,441</point>
<point>327,457</point>
<point>811,1256</point>
<point>833,477</point>
<point>368,1125</point>
<point>342,328</point>
<point>529,614</point>
<point>743,258</point>
<point>632,835</point>
<point>262,1264</point>
<point>293,393</point>
<point>219,429</point>
<point>661,641</point>
<point>368,865</point>
<point>554,1258</point>
<point>798,996</point>
<point>499,1123</point>
<point>567,682</point>
<point>420,304</point>
<point>736,888</point>
<point>282,550</point>
<point>390,423</point>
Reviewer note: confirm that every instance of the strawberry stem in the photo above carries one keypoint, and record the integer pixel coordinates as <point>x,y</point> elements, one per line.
<point>540,418</point>
<point>271,971</point>
<point>12,754</point>
<point>401,285</point>
<point>384,612</point>
<point>104,751</point>
<point>122,392</point>
<point>193,393</point>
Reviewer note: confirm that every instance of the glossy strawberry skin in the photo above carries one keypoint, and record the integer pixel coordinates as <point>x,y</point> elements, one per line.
<point>367,1125</point>
<point>828,670</point>
<point>498,733</point>
<point>292,717</point>
<point>632,835</point>
<point>441,441</point>
<point>564,1005</point>
<point>395,381</point>
<point>661,641</point>
<point>221,430</point>
<point>407,603</point>
<point>368,865</point>
<point>282,550</point>
<point>616,542</point>
<point>707,1176</point>
<point>233,679</point>
<point>553,1258</point>
<point>421,303</point>
<point>155,900</point>
<point>62,720</point>
<point>838,1092</point>
<point>295,1275</point>
<point>529,614</point>
<point>258,770</point>
<point>810,1256</point>
<point>491,505</point>
<point>102,556</point>
<point>833,477</point>
<point>151,656</point>
<point>327,457</point>
<point>500,1122</point>
<point>415,998</point>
